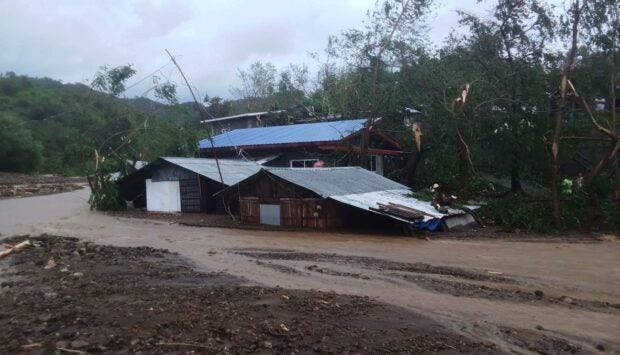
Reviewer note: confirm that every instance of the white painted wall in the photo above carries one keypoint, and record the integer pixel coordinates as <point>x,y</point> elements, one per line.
<point>163,196</point>
<point>270,214</point>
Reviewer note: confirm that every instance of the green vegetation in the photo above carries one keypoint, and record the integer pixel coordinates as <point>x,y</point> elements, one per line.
<point>499,98</point>
<point>50,127</point>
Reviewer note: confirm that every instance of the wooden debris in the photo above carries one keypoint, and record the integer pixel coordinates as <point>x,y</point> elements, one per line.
<point>404,212</point>
<point>14,249</point>
<point>71,350</point>
<point>33,345</point>
<point>189,344</point>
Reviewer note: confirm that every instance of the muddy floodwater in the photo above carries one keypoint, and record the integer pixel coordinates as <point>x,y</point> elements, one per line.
<point>516,296</point>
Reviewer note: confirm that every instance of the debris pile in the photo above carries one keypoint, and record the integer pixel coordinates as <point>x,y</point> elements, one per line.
<point>18,185</point>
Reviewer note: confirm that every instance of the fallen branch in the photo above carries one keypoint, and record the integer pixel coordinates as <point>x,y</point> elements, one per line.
<point>71,351</point>
<point>33,345</point>
<point>189,344</point>
<point>12,250</point>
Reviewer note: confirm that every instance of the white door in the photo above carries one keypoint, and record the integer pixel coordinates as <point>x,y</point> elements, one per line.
<point>270,214</point>
<point>163,196</point>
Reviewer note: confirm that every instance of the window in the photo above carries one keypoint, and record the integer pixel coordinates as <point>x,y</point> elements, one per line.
<point>372,163</point>
<point>303,163</point>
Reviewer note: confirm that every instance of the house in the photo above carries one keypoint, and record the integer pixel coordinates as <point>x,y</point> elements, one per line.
<point>184,184</point>
<point>331,143</point>
<point>334,197</point>
<point>246,120</point>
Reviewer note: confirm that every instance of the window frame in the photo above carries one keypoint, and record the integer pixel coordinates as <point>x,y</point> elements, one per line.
<point>305,163</point>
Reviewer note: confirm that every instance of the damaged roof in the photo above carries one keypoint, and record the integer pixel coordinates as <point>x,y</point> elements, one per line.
<point>401,197</point>
<point>329,182</point>
<point>358,187</point>
<point>233,171</point>
<point>331,131</point>
<point>249,114</point>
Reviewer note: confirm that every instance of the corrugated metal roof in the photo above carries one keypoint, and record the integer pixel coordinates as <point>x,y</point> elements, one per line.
<point>298,133</point>
<point>329,182</point>
<point>397,196</point>
<point>249,114</point>
<point>233,171</point>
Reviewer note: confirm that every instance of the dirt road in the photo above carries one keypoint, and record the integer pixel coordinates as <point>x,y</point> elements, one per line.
<point>476,288</point>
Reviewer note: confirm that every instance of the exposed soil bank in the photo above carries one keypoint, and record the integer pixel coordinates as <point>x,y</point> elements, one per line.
<point>64,294</point>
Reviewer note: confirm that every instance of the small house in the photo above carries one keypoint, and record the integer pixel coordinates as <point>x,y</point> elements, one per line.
<point>330,143</point>
<point>184,184</point>
<point>334,197</point>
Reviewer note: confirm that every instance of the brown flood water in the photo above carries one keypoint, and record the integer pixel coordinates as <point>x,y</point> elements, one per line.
<point>475,287</point>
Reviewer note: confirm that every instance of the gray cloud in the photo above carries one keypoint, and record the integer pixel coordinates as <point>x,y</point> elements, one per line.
<point>70,39</point>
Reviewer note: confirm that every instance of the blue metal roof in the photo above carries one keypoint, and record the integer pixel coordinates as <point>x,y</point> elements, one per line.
<point>299,133</point>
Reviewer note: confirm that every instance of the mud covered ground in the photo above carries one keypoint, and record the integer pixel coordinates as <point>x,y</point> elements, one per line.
<point>488,232</point>
<point>65,296</point>
<point>495,295</point>
<point>22,185</point>
<point>440,279</point>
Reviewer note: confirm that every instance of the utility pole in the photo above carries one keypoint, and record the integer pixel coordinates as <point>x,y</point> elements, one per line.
<point>203,112</point>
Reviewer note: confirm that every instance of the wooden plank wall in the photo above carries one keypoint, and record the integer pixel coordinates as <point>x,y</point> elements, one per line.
<point>301,213</point>
<point>249,209</point>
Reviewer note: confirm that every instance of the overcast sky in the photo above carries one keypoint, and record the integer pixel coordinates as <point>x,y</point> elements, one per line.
<point>69,40</point>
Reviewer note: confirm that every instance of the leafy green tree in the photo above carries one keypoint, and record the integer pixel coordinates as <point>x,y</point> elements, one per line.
<point>18,149</point>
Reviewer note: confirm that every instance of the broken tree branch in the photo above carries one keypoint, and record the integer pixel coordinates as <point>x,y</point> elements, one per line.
<point>191,345</point>
<point>608,132</point>
<point>14,249</point>
<point>578,138</point>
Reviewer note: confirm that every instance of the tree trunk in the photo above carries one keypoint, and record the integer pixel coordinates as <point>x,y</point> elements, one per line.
<point>464,160</point>
<point>412,166</point>
<point>612,88</point>
<point>515,180</point>
<point>364,143</point>
<point>617,197</point>
<point>611,155</point>
<point>591,210</point>
<point>559,115</point>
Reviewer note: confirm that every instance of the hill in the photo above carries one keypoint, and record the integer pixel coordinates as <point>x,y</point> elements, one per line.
<point>47,126</point>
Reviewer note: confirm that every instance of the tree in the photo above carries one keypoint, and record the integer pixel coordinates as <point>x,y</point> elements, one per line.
<point>217,106</point>
<point>18,150</point>
<point>508,50</point>
<point>393,28</point>
<point>258,83</point>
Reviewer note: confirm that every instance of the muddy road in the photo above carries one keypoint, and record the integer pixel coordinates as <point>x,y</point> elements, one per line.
<point>67,296</point>
<point>513,295</point>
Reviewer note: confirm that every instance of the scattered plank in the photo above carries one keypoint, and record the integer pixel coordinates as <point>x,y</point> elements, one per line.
<point>71,350</point>
<point>189,344</point>
<point>14,249</point>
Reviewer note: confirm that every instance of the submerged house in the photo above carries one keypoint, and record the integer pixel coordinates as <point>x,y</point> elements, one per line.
<point>184,184</point>
<point>330,143</point>
<point>335,197</point>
